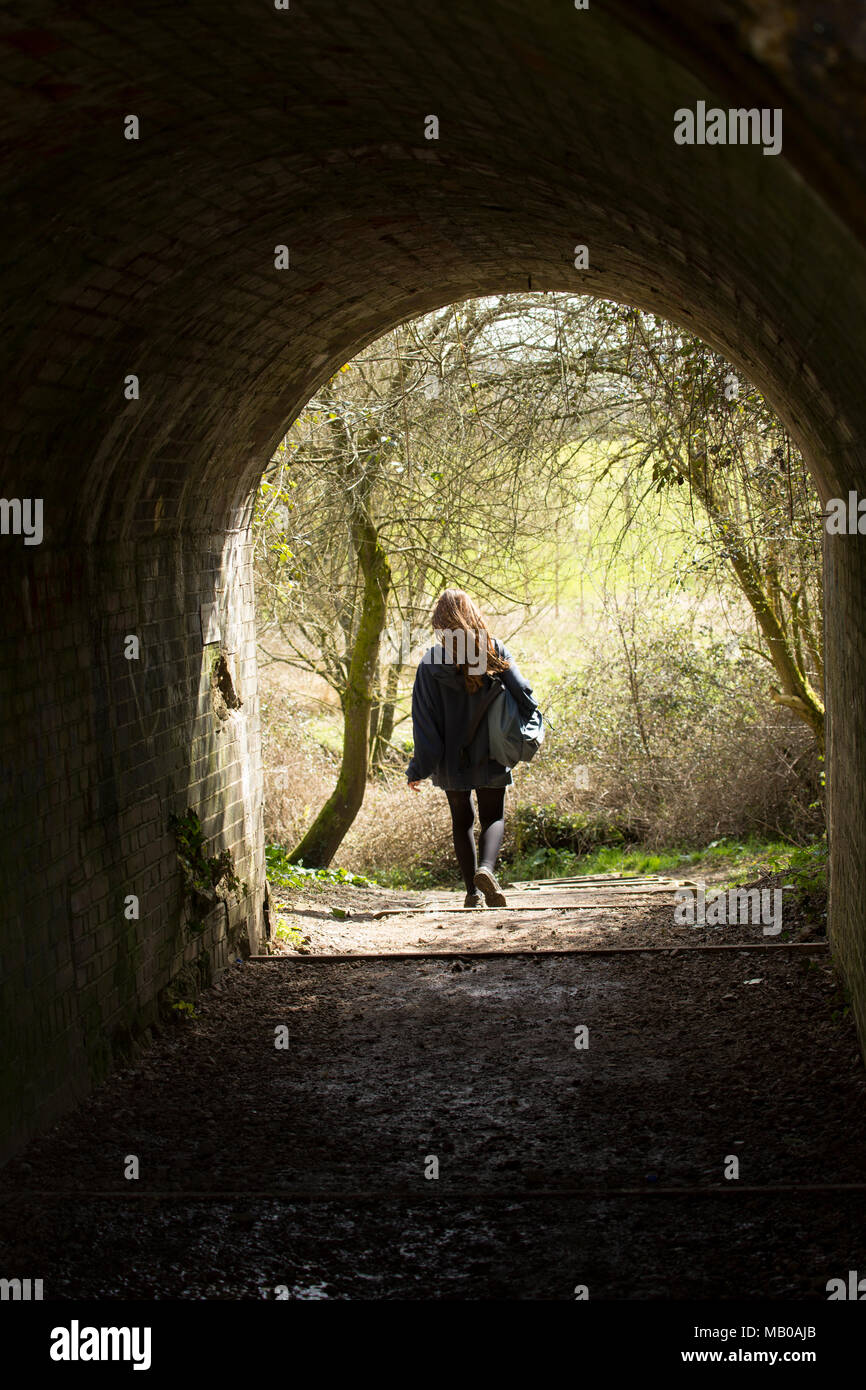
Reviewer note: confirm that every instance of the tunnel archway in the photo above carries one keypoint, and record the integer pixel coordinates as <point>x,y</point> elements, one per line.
<point>154,258</point>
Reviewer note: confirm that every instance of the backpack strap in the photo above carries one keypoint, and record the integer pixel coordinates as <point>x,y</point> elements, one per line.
<point>484,705</point>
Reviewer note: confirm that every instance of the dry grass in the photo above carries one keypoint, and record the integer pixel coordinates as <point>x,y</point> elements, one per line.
<point>400,829</point>
<point>722,760</point>
<point>760,780</point>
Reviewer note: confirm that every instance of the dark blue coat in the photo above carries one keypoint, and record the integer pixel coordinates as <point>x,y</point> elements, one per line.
<point>442,714</point>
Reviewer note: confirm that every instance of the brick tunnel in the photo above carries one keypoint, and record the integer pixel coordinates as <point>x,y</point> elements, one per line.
<point>156,345</point>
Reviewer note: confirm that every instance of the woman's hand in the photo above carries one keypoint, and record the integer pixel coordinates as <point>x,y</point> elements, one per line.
<point>414,786</point>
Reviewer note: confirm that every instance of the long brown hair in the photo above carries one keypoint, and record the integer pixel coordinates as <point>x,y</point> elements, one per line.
<point>455,612</point>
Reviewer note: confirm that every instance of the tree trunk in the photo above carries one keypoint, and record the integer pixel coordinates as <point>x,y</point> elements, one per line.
<point>375,719</point>
<point>796,693</point>
<point>326,834</point>
<point>385,729</point>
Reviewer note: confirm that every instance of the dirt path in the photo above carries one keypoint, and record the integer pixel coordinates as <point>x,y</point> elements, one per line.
<point>602,911</point>
<point>601,1165</point>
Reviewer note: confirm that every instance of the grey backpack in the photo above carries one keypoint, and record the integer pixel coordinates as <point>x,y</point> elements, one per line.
<point>514,734</point>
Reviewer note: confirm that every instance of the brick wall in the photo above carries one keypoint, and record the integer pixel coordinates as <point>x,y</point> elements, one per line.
<point>103,749</point>
<point>155,258</point>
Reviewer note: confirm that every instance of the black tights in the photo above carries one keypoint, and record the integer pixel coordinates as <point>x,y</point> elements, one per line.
<point>491,814</point>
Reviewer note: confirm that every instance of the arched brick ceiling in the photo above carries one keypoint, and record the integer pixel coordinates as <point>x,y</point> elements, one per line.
<point>305,127</point>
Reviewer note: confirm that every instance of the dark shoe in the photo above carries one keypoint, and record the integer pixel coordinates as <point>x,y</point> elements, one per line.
<point>485,880</point>
<point>473,900</point>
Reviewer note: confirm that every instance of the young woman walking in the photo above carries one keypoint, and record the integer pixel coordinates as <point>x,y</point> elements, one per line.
<point>451,745</point>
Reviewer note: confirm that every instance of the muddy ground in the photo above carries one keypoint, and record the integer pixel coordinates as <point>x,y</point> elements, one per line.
<point>305,1167</point>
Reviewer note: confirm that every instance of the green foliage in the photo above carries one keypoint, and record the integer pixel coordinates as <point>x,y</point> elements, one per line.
<point>750,856</point>
<point>202,873</point>
<point>805,866</point>
<point>285,875</point>
<point>414,876</point>
<point>184,1009</point>
<point>544,863</point>
<point>547,828</point>
<point>292,935</point>
<point>608,859</point>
